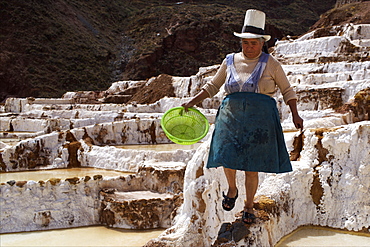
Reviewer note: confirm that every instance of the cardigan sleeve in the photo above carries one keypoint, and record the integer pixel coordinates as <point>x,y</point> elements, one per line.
<point>282,82</point>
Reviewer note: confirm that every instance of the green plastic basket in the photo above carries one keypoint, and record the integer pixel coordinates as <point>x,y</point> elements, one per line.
<point>184,127</point>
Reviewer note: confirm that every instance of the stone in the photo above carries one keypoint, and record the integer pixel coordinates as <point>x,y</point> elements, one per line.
<point>11,182</point>
<point>231,232</point>
<point>239,231</point>
<point>20,183</point>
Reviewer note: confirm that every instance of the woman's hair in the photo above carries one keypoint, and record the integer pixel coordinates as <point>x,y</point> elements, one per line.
<point>261,39</point>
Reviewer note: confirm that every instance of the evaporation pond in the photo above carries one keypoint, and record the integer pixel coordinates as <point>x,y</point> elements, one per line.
<point>161,147</point>
<point>10,141</point>
<point>58,173</point>
<point>319,236</point>
<point>84,236</point>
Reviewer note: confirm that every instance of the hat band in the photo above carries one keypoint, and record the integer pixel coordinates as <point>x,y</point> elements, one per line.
<point>252,29</point>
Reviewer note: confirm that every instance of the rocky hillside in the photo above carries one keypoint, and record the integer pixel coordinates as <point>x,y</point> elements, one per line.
<point>355,13</point>
<point>50,47</point>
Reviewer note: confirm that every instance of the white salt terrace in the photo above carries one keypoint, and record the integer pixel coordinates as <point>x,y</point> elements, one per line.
<point>171,188</point>
<point>140,195</point>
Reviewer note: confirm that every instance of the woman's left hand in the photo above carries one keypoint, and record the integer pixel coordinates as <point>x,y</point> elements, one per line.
<point>298,121</point>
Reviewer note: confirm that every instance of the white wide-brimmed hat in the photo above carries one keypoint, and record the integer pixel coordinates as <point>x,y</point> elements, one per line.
<point>254,25</point>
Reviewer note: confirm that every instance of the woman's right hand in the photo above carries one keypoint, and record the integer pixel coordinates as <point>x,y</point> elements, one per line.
<point>198,98</point>
<point>187,105</point>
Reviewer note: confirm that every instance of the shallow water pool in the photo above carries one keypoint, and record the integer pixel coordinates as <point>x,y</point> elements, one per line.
<point>161,147</point>
<point>84,236</point>
<point>102,236</point>
<point>44,175</point>
<point>10,141</point>
<point>321,236</point>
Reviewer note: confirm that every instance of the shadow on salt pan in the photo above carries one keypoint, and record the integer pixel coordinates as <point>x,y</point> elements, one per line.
<point>321,236</point>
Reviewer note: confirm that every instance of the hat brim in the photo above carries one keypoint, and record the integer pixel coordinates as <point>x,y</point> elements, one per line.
<point>252,36</point>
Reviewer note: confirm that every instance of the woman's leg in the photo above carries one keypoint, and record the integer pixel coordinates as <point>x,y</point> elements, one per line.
<point>228,202</point>
<point>251,185</point>
<point>231,180</point>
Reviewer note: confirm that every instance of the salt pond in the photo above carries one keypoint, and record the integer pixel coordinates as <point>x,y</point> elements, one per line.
<point>10,141</point>
<point>58,173</point>
<point>102,236</point>
<point>161,147</point>
<point>84,236</point>
<point>320,236</point>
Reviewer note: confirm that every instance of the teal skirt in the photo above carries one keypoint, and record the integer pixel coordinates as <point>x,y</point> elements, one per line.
<point>248,135</point>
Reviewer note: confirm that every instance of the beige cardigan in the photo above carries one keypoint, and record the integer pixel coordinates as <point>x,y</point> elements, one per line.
<point>272,76</point>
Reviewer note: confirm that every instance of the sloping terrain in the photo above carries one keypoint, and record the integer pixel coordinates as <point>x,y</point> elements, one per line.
<point>355,13</point>
<point>50,47</point>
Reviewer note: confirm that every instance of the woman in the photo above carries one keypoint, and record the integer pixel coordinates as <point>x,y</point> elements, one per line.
<point>248,135</point>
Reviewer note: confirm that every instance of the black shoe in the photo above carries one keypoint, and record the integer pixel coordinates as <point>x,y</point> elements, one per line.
<point>248,218</point>
<point>228,203</point>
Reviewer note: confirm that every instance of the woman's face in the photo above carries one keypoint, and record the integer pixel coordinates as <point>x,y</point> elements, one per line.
<point>252,47</point>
